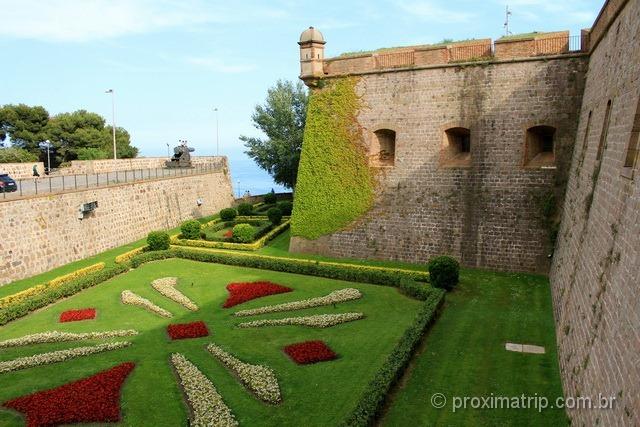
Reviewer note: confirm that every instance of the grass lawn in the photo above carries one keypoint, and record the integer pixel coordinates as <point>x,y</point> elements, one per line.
<point>313,395</point>
<point>464,355</point>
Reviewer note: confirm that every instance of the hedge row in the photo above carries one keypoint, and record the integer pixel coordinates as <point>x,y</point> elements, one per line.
<point>176,240</point>
<point>373,397</point>
<point>125,257</point>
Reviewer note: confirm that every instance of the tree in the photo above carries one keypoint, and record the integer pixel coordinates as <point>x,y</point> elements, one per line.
<point>24,125</point>
<point>282,119</point>
<point>16,155</point>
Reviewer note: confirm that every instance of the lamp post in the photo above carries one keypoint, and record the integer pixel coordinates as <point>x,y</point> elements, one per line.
<point>113,121</point>
<point>47,144</point>
<point>217,133</point>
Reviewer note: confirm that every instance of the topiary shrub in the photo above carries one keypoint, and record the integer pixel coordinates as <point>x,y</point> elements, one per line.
<point>158,241</point>
<point>228,214</point>
<point>245,209</point>
<point>274,215</point>
<point>444,272</point>
<point>286,207</point>
<point>270,198</point>
<point>191,229</point>
<point>243,233</point>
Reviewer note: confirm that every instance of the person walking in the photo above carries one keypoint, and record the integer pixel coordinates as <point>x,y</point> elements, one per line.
<point>35,171</point>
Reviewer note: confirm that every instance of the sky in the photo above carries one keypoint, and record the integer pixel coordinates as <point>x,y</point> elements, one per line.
<point>171,62</point>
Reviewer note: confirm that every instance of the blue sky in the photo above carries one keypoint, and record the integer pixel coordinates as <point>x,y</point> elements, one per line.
<point>171,62</point>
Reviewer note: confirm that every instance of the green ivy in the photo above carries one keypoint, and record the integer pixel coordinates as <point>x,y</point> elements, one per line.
<point>335,185</point>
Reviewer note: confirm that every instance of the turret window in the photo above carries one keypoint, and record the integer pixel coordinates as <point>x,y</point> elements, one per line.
<point>383,148</point>
<point>540,146</point>
<point>456,151</point>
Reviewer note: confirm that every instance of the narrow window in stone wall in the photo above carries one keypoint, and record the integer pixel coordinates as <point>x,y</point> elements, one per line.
<point>539,150</point>
<point>605,131</point>
<point>586,134</point>
<point>631,156</point>
<point>456,151</point>
<point>383,148</point>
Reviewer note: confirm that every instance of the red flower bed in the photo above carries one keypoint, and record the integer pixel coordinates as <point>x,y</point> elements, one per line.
<point>180,331</point>
<point>95,399</point>
<point>75,315</point>
<point>228,234</point>
<point>243,292</point>
<point>309,352</point>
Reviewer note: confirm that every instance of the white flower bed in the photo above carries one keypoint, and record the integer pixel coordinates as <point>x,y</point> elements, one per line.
<point>208,407</point>
<point>58,356</point>
<point>130,298</point>
<point>166,286</point>
<point>259,379</point>
<point>334,297</point>
<point>317,321</point>
<point>56,336</point>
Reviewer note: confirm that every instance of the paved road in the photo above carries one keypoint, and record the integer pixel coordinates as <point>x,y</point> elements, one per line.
<point>62,183</point>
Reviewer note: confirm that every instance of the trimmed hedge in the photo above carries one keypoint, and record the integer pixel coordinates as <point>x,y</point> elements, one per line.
<point>176,240</point>
<point>286,206</point>
<point>275,216</point>
<point>191,229</point>
<point>243,233</point>
<point>158,240</point>
<point>245,209</point>
<point>228,214</point>
<point>122,258</point>
<point>270,198</point>
<point>444,272</point>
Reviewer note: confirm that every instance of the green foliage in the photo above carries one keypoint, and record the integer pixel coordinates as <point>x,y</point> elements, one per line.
<point>245,209</point>
<point>90,153</point>
<point>191,229</point>
<point>228,214</point>
<point>286,207</point>
<point>158,240</point>
<point>24,125</point>
<point>16,155</point>
<point>282,119</point>
<point>270,197</point>
<point>444,272</point>
<point>274,215</point>
<point>243,233</point>
<point>335,184</point>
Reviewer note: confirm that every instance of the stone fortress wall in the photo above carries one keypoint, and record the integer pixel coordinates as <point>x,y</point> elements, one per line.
<point>43,232</point>
<point>595,276</point>
<point>427,205</point>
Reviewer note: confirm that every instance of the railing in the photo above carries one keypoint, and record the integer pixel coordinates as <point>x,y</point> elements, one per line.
<point>62,183</point>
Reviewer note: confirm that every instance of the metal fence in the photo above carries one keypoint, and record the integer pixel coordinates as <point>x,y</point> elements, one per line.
<point>62,183</point>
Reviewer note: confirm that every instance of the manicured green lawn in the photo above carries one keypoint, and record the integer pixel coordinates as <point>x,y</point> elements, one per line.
<point>313,395</point>
<point>464,355</point>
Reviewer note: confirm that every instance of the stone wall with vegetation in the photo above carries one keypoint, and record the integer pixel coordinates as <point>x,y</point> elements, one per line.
<point>492,211</point>
<point>44,232</point>
<point>595,274</point>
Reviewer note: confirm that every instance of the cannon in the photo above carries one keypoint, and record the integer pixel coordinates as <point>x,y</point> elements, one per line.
<point>181,157</point>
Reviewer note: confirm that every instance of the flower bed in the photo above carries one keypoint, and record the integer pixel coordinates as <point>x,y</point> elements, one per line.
<point>180,331</point>
<point>57,356</point>
<point>55,336</point>
<point>334,297</point>
<point>259,379</point>
<point>206,403</point>
<point>95,399</point>
<point>243,292</point>
<point>317,321</point>
<point>166,286</point>
<point>131,298</point>
<point>77,315</point>
<point>177,241</point>
<point>309,352</point>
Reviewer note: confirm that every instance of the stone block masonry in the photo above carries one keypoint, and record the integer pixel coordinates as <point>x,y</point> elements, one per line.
<point>43,232</point>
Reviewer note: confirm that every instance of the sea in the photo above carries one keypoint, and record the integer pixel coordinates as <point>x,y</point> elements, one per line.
<point>247,176</point>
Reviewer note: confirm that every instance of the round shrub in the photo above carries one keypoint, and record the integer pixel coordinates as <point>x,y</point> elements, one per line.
<point>191,229</point>
<point>243,233</point>
<point>245,209</point>
<point>158,240</point>
<point>274,215</point>
<point>228,214</point>
<point>444,272</point>
<point>286,207</point>
<point>270,198</point>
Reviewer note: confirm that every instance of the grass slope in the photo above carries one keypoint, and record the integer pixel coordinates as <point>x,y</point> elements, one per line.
<point>464,355</point>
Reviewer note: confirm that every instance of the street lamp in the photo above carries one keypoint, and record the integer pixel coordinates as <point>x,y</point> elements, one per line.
<point>113,122</point>
<point>217,133</point>
<point>47,144</point>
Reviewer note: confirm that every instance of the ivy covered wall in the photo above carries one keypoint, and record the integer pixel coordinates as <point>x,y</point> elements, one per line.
<point>335,184</point>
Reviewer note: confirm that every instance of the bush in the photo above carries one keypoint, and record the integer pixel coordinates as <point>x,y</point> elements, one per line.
<point>245,209</point>
<point>190,229</point>
<point>286,207</point>
<point>158,240</point>
<point>274,215</point>
<point>243,233</point>
<point>16,155</point>
<point>270,198</point>
<point>444,272</point>
<point>228,214</point>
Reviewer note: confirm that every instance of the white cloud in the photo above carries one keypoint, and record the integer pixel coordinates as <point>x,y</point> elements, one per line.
<point>219,66</point>
<point>86,20</point>
<point>429,10</point>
